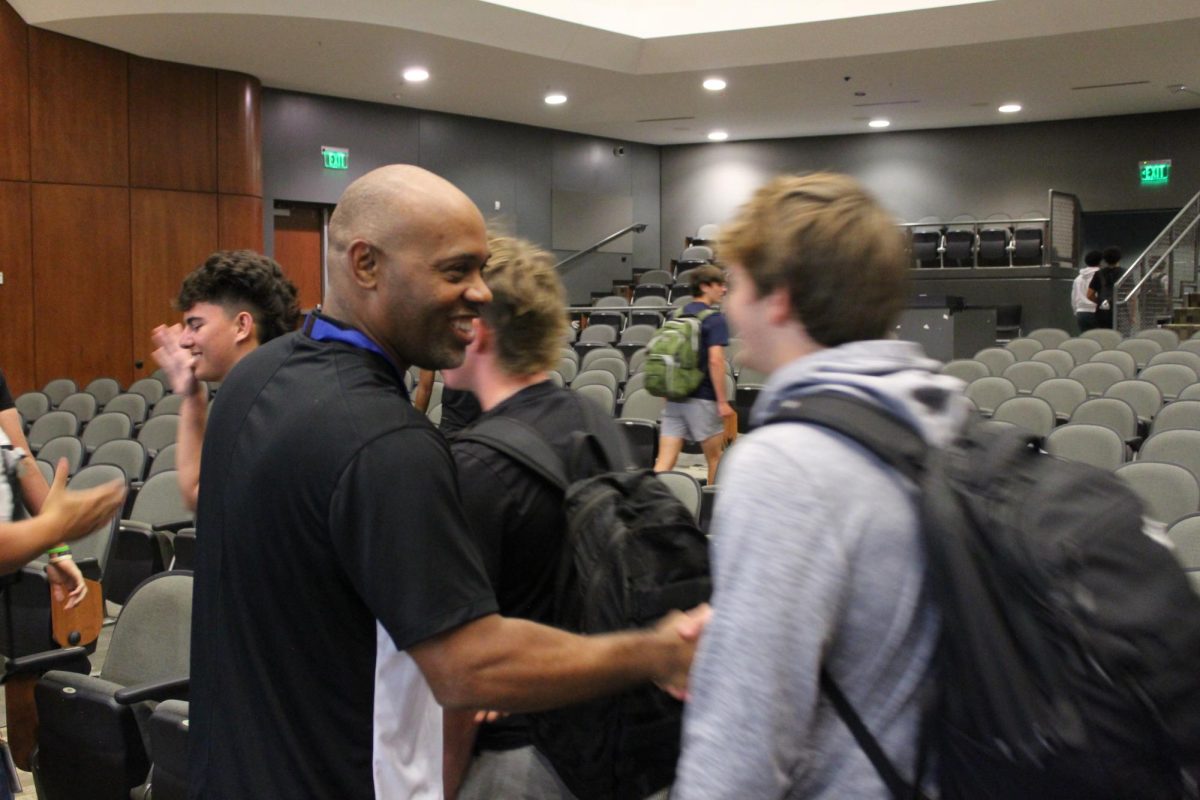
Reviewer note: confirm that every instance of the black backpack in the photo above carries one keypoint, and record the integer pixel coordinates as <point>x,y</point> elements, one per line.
<point>1069,660</point>
<point>632,553</point>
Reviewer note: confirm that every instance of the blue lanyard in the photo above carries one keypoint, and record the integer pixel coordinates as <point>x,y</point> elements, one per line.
<point>322,331</point>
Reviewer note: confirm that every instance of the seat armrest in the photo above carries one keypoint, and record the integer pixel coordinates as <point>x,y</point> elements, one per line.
<point>68,659</point>
<point>171,689</point>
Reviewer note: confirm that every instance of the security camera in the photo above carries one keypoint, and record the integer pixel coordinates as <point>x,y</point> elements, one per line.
<point>619,151</point>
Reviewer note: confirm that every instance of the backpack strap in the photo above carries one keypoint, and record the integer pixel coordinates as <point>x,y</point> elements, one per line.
<point>520,442</point>
<point>899,446</point>
<point>894,442</point>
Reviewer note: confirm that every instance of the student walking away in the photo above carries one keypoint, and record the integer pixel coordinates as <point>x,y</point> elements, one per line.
<point>867,508</point>
<point>686,364</point>
<point>232,303</point>
<point>536,532</point>
<point>330,526</point>
<point>1102,287</point>
<point>1085,309</point>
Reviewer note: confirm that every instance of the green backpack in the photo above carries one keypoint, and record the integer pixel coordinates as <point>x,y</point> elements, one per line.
<point>672,363</point>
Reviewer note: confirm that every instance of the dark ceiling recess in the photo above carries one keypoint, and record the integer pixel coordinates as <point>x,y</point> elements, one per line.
<point>665,119</point>
<point>887,103</point>
<point>1108,85</point>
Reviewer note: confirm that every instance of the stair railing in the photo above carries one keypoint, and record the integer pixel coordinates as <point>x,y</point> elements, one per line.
<point>1159,272</point>
<point>636,227</point>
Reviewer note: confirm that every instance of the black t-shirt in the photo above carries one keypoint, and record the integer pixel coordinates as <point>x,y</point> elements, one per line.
<point>517,516</point>
<point>714,330</point>
<point>1102,284</point>
<point>459,409</point>
<point>330,538</point>
<point>6,398</point>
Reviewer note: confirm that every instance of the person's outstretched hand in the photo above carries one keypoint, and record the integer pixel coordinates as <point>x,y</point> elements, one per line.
<point>177,362</point>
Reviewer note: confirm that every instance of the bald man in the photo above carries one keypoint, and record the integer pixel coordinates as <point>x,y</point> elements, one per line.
<point>339,600</point>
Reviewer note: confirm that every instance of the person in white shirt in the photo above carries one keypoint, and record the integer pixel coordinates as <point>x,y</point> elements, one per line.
<point>1085,309</point>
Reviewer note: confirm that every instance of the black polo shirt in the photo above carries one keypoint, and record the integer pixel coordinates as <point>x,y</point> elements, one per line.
<point>330,538</point>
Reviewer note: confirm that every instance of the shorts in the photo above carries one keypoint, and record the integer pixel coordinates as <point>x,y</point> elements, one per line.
<point>694,420</point>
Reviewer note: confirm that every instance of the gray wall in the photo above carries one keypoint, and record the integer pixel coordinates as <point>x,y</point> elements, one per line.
<point>943,173</point>
<point>518,166</point>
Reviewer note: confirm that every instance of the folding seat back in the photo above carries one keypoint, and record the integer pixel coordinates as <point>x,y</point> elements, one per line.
<point>1145,398</point>
<point>684,487</point>
<point>1166,339</point>
<point>637,360</point>
<point>602,396</point>
<point>129,455</point>
<point>1027,247</point>
<point>595,376</point>
<point>168,733</point>
<point>58,390</point>
<point>1171,379</point>
<point>1119,359</point>
<point>966,369</point>
<point>1168,491</point>
<point>655,276</point>
<point>169,404</point>
<point>50,425</point>
<point>997,359</point>
<point>68,447</point>
<point>164,460</point>
<point>91,740</point>
<point>1031,413</point>
<point>158,432</point>
<point>959,248</point>
<point>1180,415</point>
<point>640,404</point>
<point>926,247</point>
<point>149,388</point>
<point>1096,377</point>
<point>1049,337</point>
<point>1081,349</point>
<point>83,405</point>
<point>988,393</point>
<point>1109,412</point>
<point>993,247</point>
<point>131,405</point>
<point>1180,447</point>
<point>614,364</point>
<point>696,254</point>
<point>32,405</point>
<point>1190,393</point>
<point>1026,375</point>
<point>107,427</point>
<point>568,368</point>
<point>103,389</point>
<point>1185,535</point>
<point>1107,338</point>
<point>1190,360</point>
<point>590,356</point>
<point>1142,350</point>
<point>1063,394</point>
<point>1023,348</point>
<point>1062,361</point>
<point>1089,444</point>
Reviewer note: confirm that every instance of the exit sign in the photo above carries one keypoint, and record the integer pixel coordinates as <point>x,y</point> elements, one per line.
<point>336,157</point>
<point>1155,173</point>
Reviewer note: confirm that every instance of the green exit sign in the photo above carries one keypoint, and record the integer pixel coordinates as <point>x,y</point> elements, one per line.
<point>1155,173</point>
<point>336,157</point>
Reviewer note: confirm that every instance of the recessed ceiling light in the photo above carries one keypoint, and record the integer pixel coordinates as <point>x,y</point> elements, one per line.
<point>714,84</point>
<point>555,99</point>
<point>416,74</point>
<point>1009,108</point>
<point>879,123</point>
<point>718,136</point>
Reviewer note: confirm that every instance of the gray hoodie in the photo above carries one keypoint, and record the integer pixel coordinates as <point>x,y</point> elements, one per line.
<point>816,560</point>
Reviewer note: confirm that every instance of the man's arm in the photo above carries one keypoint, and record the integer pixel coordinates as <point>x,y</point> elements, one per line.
<point>33,484</point>
<point>515,665</point>
<point>423,390</point>
<point>65,515</point>
<point>193,414</point>
<point>716,371</point>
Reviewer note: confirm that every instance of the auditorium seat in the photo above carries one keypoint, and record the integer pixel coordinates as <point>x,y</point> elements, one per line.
<point>91,736</point>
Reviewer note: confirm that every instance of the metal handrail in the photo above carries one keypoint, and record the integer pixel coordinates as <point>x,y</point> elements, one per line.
<point>999,223</point>
<point>636,227</point>
<point>1169,229</point>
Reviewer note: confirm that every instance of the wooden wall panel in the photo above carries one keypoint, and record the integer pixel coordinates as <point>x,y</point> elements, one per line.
<point>172,126</point>
<point>241,221</point>
<point>79,120</point>
<point>173,232</point>
<point>239,134</point>
<point>81,282</point>
<point>298,251</point>
<point>16,293</point>
<point>14,95</point>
